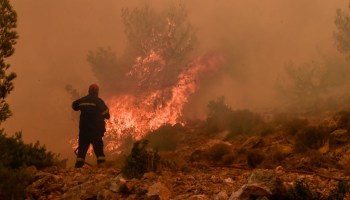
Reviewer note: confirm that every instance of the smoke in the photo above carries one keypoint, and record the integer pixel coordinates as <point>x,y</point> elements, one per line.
<point>255,38</point>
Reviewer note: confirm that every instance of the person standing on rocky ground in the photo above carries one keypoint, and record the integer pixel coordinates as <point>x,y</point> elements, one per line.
<point>93,112</point>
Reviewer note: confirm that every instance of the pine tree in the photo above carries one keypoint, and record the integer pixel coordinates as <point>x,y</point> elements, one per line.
<point>8,36</point>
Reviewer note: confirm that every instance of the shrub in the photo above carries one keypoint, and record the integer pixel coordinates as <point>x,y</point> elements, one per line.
<point>221,117</point>
<point>310,138</point>
<point>140,160</point>
<point>339,193</point>
<point>254,158</point>
<point>342,119</point>
<point>218,151</point>
<point>274,157</point>
<point>15,156</point>
<point>165,138</point>
<point>290,125</point>
<point>301,191</point>
<point>228,159</point>
<point>173,161</point>
<point>16,182</point>
<point>15,153</point>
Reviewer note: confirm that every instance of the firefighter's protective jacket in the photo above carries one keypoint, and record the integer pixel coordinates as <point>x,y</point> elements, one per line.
<point>93,113</point>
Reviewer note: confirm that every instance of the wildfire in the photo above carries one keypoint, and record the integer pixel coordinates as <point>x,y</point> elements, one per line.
<point>145,109</point>
<point>135,114</point>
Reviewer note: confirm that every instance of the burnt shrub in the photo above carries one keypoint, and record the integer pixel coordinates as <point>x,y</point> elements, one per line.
<point>140,161</point>
<point>165,138</point>
<point>254,158</point>
<point>222,117</point>
<point>310,137</point>
<point>216,152</point>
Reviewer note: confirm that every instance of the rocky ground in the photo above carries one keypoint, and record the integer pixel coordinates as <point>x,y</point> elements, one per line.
<point>191,171</point>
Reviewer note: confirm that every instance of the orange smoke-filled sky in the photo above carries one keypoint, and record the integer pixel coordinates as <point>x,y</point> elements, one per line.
<point>55,37</point>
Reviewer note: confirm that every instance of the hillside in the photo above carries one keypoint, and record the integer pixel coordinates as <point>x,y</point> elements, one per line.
<point>295,159</point>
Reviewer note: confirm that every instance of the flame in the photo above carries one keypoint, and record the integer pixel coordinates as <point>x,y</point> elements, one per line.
<point>137,113</point>
<point>150,104</point>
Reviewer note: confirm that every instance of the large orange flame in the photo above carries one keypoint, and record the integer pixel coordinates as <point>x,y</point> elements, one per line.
<point>151,105</point>
<point>135,114</point>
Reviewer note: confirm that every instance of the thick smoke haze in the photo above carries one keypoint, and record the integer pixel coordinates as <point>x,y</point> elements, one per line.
<point>256,37</point>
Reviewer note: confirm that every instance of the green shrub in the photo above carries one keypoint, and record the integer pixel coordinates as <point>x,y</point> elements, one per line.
<point>14,183</point>
<point>14,157</point>
<point>140,161</point>
<point>15,153</point>
<point>165,138</point>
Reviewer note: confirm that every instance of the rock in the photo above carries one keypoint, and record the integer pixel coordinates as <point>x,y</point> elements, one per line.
<point>159,189</point>
<point>228,180</point>
<point>285,149</point>
<point>149,176</point>
<point>116,185</point>
<point>325,148</point>
<point>261,183</point>
<point>221,196</point>
<point>199,197</point>
<point>107,195</point>
<point>213,142</point>
<point>251,142</point>
<point>339,136</point>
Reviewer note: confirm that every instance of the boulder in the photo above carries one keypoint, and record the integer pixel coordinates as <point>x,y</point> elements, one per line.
<point>262,183</point>
<point>159,189</point>
<point>252,142</point>
<point>221,196</point>
<point>339,136</point>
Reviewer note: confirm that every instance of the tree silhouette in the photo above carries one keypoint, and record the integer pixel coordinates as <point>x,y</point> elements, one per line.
<point>8,36</point>
<point>160,42</point>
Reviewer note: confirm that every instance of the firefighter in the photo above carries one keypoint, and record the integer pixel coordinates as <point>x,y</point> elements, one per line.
<point>93,112</point>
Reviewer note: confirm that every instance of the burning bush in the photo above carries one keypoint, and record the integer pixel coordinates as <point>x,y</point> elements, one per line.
<point>140,160</point>
<point>221,117</point>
